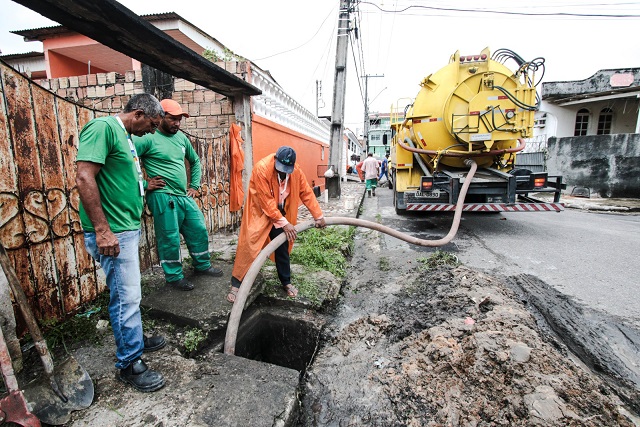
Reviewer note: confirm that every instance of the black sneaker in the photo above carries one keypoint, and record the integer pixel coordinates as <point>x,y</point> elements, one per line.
<point>153,343</point>
<point>182,285</point>
<point>211,271</point>
<point>140,377</point>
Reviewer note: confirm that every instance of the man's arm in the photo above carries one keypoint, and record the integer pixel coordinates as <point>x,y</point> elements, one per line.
<point>90,197</point>
<point>194,166</point>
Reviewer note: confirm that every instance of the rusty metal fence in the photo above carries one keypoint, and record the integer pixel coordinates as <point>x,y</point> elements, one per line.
<point>39,221</point>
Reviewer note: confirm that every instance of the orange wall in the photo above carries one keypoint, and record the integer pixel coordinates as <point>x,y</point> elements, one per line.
<point>269,136</point>
<point>71,40</point>
<point>63,66</point>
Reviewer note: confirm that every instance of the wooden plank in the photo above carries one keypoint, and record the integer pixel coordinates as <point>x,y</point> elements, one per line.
<point>8,177</point>
<point>68,282</point>
<point>147,242</point>
<point>20,115</point>
<point>46,131</point>
<point>12,232</point>
<point>21,265</point>
<point>69,132</point>
<point>44,274</point>
<point>89,286</point>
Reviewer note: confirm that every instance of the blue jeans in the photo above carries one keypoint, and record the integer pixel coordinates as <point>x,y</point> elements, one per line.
<point>123,280</point>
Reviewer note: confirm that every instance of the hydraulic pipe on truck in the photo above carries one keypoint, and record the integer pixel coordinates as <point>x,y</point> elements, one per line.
<point>519,147</point>
<point>250,277</point>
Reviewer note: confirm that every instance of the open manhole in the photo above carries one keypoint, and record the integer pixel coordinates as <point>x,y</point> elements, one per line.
<point>279,337</point>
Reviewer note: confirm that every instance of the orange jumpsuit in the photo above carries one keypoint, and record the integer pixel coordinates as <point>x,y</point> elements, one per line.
<point>360,171</point>
<point>261,210</point>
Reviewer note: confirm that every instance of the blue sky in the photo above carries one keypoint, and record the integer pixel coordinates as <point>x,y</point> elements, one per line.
<point>296,40</point>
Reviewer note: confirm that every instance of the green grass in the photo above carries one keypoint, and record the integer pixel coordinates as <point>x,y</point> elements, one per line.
<point>81,327</point>
<point>315,250</point>
<point>438,258</point>
<point>383,264</point>
<point>193,338</point>
<point>324,249</point>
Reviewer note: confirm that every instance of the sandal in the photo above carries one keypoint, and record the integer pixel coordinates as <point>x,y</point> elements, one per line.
<point>233,293</point>
<point>291,290</point>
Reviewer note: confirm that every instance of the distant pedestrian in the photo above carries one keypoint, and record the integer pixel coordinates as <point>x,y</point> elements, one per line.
<point>384,168</point>
<point>110,186</point>
<point>171,201</point>
<point>370,168</point>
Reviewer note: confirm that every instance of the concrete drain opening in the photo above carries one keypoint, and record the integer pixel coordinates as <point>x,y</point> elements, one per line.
<point>280,337</point>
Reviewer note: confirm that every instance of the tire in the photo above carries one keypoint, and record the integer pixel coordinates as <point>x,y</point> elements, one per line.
<point>399,211</point>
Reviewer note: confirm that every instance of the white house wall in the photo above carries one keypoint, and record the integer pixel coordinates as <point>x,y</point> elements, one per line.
<point>275,105</point>
<point>625,116</point>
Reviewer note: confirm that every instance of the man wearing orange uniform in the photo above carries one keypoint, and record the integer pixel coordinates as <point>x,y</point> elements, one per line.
<point>276,188</point>
<point>360,171</point>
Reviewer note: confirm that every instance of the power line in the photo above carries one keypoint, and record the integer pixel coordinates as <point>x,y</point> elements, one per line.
<point>303,44</point>
<point>502,12</point>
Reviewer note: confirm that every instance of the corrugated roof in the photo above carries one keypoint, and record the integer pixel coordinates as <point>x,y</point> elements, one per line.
<point>113,25</point>
<point>32,54</point>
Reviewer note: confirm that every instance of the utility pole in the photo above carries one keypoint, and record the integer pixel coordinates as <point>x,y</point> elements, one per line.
<point>366,111</point>
<point>332,184</point>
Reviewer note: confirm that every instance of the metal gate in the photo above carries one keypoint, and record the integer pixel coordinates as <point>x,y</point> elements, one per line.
<point>535,162</point>
<point>39,221</point>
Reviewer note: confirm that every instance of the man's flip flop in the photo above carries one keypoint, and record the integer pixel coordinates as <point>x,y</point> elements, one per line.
<point>231,296</point>
<point>291,290</point>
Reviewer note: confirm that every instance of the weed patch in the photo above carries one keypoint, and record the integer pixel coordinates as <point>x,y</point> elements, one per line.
<point>437,259</point>
<point>383,264</point>
<point>192,339</point>
<point>324,249</point>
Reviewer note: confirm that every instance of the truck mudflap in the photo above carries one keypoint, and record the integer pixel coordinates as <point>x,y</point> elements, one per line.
<point>487,207</point>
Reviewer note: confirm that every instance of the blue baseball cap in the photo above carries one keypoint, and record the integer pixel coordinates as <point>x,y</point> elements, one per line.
<point>285,159</point>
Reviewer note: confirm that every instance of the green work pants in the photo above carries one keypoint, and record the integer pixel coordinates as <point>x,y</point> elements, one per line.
<point>172,216</point>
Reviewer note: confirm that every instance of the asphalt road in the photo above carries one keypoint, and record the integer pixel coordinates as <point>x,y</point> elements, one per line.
<point>590,257</point>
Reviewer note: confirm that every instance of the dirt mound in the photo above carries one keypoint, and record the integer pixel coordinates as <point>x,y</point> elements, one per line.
<point>464,351</point>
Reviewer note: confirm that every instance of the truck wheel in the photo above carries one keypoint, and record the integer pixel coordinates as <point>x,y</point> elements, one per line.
<point>396,198</point>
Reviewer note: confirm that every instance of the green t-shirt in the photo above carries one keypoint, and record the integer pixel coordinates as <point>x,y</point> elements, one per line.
<point>104,141</point>
<point>163,155</point>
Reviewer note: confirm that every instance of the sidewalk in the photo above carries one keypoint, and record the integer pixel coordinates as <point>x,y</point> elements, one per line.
<point>594,203</point>
<point>346,205</point>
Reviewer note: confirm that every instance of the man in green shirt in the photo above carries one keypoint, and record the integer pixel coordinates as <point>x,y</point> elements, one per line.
<point>169,199</point>
<point>110,186</point>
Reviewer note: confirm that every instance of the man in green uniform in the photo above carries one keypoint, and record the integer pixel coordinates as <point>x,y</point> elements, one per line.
<point>110,186</point>
<point>174,210</point>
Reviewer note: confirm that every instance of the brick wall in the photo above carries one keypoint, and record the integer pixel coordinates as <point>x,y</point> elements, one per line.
<point>211,115</point>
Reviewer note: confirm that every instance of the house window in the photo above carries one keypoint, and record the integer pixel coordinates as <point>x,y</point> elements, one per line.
<point>604,121</point>
<point>582,122</point>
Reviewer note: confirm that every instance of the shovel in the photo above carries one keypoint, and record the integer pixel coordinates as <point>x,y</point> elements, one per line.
<point>68,387</point>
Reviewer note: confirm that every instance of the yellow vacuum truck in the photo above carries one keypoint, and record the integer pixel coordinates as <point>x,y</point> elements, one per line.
<point>474,109</point>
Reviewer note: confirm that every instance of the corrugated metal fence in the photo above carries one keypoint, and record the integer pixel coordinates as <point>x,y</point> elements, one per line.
<point>39,222</point>
<point>535,162</point>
